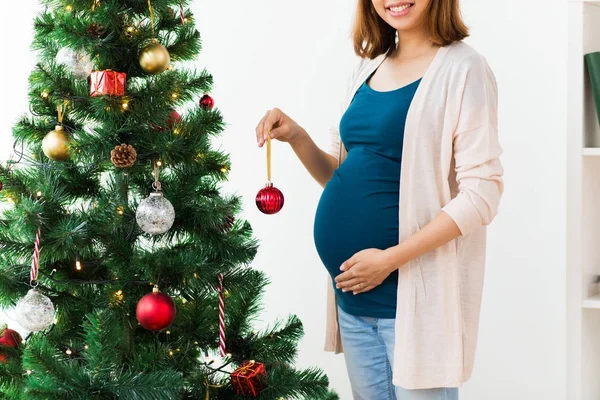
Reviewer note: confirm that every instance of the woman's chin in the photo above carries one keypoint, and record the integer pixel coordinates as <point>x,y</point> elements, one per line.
<point>401,26</point>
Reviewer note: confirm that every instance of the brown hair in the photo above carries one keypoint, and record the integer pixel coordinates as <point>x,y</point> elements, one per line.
<point>373,36</point>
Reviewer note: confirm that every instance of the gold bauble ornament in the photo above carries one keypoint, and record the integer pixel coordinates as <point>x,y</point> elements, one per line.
<point>155,58</point>
<point>56,144</point>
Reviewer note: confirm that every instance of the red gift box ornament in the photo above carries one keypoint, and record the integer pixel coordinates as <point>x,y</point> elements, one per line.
<point>107,83</point>
<point>249,378</point>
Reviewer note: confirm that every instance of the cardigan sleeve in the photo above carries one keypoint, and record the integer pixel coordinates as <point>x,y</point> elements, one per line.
<point>333,147</point>
<point>477,150</point>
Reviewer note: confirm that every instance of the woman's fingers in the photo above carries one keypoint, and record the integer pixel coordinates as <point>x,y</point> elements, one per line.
<point>364,289</point>
<point>281,131</point>
<point>260,135</point>
<point>347,285</point>
<point>271,121</point>
<point>355,286</point>
<point>278,125</point>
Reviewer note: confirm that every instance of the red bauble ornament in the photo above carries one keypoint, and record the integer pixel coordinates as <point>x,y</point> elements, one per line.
<point>1,185</point>
<point>269,199</point>
<point>156,311</point>
<point>8,338</point>
<point>173,120</point>
<point>207,103</point>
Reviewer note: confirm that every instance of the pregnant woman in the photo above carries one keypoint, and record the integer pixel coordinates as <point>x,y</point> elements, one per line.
<point>411,179</point>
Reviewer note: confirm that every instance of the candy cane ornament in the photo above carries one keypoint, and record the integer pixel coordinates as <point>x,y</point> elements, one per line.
<point>222,343</point>
<point>181,12</point>
<point>35,262</point>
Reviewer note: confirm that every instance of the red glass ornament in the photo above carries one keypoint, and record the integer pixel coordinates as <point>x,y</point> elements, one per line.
<point>173,120</point>
<point>269,199</point>
<point>9,338</point>
<point>1,185</point>
<point>207,103</point>
<point>155,311</point>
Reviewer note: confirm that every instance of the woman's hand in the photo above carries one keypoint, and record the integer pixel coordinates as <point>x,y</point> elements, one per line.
<point>282,127</point>
<point>364,271</point>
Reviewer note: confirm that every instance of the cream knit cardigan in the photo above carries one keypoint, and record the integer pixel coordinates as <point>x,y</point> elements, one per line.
<point>450,162</point>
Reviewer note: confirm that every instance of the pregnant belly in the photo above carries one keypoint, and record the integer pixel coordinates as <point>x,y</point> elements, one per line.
<point>357,210</point>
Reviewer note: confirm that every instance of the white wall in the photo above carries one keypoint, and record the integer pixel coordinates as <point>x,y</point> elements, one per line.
<point>268,53</point>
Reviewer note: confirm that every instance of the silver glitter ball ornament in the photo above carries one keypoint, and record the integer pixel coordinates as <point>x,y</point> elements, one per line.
<point>35,312</point>
<point>155,214</point>
<point>78,62</point>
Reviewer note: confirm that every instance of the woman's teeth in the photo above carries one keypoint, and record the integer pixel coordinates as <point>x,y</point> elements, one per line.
<point>400,8</point>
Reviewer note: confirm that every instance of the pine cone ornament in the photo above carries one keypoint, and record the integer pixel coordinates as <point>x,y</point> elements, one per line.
<point>227,224</point>
<point>96,31</point>
<point>123,156</point>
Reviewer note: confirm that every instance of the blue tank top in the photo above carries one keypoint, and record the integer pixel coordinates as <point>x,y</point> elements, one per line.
<point>359,206</point>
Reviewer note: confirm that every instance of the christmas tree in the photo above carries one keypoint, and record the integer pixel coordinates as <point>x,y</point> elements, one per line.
<point>124,259</point>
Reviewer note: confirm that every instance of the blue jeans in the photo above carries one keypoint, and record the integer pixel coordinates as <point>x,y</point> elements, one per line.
<point>369,351</point>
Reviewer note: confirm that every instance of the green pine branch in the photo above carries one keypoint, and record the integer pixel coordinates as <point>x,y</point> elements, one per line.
<point>95,261</point>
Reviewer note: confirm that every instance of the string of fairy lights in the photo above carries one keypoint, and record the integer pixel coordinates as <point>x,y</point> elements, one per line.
<point>207,362</point>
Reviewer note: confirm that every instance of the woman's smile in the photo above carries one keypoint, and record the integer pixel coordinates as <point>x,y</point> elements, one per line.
<point>399,9</point>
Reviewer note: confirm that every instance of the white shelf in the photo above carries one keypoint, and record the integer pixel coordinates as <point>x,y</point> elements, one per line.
<point>592,302</point>
<point>583,213</point>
